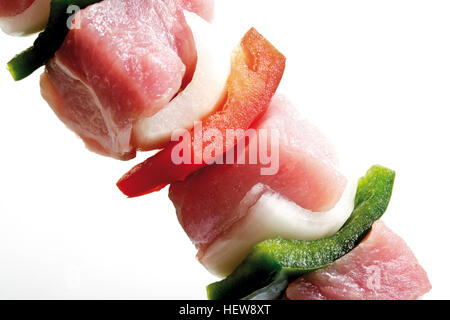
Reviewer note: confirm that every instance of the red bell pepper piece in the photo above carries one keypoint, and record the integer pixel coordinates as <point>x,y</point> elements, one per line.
<point>257,69</point>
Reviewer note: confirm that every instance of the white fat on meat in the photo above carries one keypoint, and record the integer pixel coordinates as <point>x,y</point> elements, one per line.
<point>200,98</point>
<point>274,216</point>
<point>33,19</point>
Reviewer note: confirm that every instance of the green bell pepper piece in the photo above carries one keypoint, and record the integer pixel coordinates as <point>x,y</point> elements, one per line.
<point>274,263</point>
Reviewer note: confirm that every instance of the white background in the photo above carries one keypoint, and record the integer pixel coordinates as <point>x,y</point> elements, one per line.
<point>374,76</point>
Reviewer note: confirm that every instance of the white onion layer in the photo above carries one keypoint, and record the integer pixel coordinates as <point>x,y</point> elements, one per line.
<point>33,19</point>
<point>271,216</point>
<point>200,97</point>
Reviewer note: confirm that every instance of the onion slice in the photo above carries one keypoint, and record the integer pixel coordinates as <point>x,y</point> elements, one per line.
<point>274,216</point>
<point>32,20</point>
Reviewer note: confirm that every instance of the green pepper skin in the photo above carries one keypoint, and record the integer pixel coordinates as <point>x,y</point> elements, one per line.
<point>273,263</point>
<point>48,41</point>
